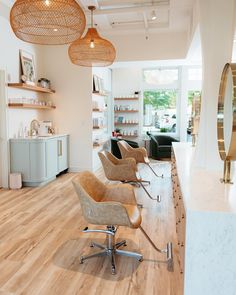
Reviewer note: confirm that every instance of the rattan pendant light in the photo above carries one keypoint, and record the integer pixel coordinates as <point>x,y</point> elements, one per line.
<point>92,50</point>
<point>47,22</point>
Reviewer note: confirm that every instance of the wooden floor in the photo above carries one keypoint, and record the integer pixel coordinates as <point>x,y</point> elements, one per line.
<point>41,241</point>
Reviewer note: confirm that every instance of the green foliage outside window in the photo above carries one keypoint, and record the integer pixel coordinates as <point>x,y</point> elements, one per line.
<point>163,99</point>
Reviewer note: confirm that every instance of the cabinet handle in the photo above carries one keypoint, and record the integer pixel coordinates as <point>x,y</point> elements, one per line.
<point>59,148</point>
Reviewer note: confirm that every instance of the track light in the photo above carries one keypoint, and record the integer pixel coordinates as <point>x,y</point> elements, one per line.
<point>154,16</point>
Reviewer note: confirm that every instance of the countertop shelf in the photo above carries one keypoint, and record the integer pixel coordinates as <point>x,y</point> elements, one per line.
<point>30,106</point>
<point>126,98</point>
<point>31,87</point>
<point>127,124</point>
<point>126,111</point>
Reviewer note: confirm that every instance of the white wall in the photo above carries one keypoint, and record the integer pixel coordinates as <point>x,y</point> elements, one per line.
<point>162,46</point>
<point>217,43</point>
<point>73,115</point>
<point>10,63</point>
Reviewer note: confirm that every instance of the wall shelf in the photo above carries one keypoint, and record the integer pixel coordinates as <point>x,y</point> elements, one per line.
<point>126,111</point>
<point>99,93</point>
<point>98,111</point>
<point>126,98</point>
<point>98,127</point>
<point>30,106</point>
<point>126,124</point>
<point>25,86</point>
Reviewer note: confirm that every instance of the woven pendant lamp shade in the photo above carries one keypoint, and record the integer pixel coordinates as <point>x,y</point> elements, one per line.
<point>47,22</point>
<point>101,54</point>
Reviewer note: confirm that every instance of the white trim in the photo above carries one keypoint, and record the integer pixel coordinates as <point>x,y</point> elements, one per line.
<point>4,149</point>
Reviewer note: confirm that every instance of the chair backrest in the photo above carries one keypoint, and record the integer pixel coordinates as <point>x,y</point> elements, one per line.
<point>124,148</point>
<point>89,190</point>
<point>107,164</point>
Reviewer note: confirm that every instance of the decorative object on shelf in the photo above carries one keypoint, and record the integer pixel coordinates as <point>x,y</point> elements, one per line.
<point>44,83</point>
<point>47,22</point>
<point>92,50</point>
<point>96,83</point>
<point>28,68</point>
<point>226,123</point>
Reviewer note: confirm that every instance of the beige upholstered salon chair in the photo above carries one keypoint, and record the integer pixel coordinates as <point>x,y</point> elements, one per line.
<point>139,154</point>
<point>113,206</point>
<point>124,170</point>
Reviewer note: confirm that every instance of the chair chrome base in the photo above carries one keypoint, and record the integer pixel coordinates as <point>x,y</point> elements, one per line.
<point>162,176</point>
<point>111,249</point>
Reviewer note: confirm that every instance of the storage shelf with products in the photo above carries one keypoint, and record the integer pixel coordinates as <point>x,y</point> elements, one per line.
<point>30,106</point>
<point>126,98</point>
<point>126,111</point>
<point>126,115</point>
<point>128,124</point>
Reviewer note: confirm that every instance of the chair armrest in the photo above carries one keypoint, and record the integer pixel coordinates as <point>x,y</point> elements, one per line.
<point>139,154</point>
<point>123,193</point>
<point>108,213</point>
<point>129,161</point>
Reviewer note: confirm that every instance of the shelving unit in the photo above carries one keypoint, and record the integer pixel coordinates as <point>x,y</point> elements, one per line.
<point>30,106</point>
<point>126,111</point>
<point>126,124</point>
<point>128,98</point>
<point>25,86</point>
<point>126,116</point>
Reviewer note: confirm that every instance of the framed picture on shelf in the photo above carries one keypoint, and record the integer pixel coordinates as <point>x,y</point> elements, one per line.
<point>28,67</point>
<point>96,83</point>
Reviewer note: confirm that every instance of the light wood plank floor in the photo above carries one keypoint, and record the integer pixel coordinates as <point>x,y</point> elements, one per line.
<point>41,241</point>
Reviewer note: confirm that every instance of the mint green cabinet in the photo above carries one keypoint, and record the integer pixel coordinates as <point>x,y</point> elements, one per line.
<point>39,160</point>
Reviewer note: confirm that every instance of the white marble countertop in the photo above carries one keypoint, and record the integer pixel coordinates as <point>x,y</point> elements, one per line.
<point>202,189</point>
<point>31,138</point>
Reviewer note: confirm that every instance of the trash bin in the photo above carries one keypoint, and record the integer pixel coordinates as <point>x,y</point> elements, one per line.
<point>15,181</point>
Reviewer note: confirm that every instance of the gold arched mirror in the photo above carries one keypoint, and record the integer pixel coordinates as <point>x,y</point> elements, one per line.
<point>226,118</point>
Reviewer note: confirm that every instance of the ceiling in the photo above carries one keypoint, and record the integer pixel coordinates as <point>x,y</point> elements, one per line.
<point>135,16</point>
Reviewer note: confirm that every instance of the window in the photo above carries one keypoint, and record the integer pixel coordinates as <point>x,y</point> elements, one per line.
<point>160,110</point>
<point>160,76</point>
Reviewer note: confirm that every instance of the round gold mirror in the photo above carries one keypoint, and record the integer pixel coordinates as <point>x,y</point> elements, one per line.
<point>226,118</point>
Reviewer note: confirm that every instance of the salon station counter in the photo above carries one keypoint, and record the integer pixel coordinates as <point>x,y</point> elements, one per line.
<point>205,226</point>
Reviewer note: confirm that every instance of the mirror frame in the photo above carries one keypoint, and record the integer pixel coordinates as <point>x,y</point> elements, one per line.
<point>230,155</point>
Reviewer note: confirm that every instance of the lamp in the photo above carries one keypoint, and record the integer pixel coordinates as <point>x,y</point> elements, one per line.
<point>47,22</point>
<point>92,50</point>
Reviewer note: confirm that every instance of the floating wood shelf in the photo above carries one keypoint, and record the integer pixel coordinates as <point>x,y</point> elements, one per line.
<point>31,87</point>
<point>98,110</point>
<point>127,111</point>
<point>126,124</point>
<point>100,144</point>
<point>129,136</point>
<point>100,93</point>
<point>98,127</point>
<point>126,98</point>
<point>30,106</point>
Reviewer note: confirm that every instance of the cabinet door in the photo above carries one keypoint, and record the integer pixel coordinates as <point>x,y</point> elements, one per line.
<point>37,161</point>
<point>51,158</point>
<point>20,160</point>
<point>62,153</point>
